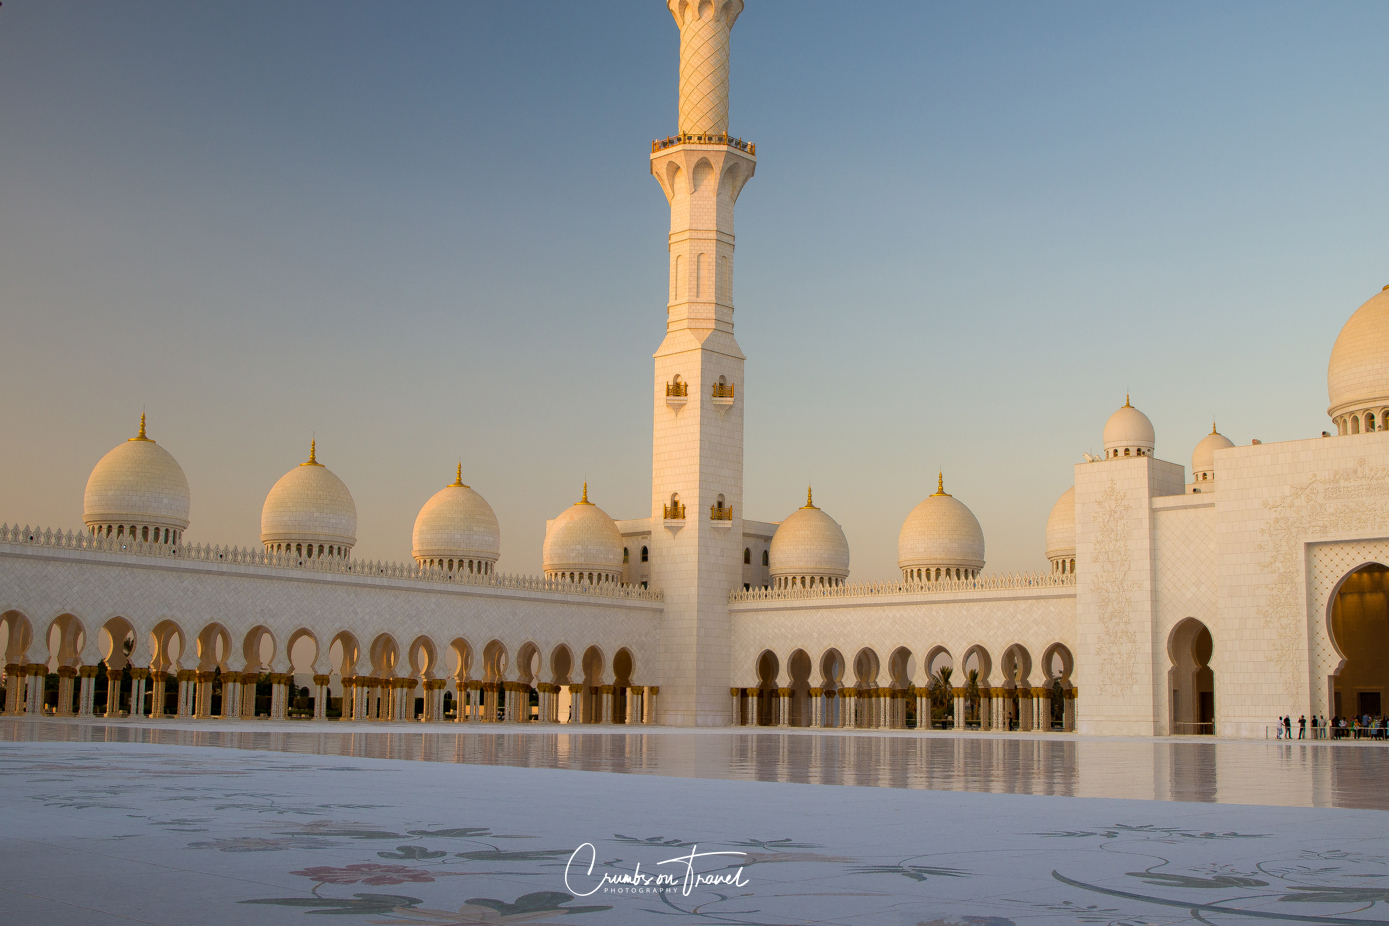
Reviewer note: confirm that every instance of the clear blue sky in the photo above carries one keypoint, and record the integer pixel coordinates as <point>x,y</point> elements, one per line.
<point>427,230</point>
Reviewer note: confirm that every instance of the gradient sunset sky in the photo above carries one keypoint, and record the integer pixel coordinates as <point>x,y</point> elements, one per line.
<point>426,231</point>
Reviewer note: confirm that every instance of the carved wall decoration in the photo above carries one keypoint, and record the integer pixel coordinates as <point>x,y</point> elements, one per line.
<point>1345,501</point>
<point>1118,644</point>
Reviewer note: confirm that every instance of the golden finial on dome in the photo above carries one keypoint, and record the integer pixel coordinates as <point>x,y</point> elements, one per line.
<point>458,480</point>
<point>1213,430</point>
<point>809,499</point>
<point>940,484</point>
<point>1126,401</point>
<point>141,435</point>
<point>313,454</point>
<point>584,500</point>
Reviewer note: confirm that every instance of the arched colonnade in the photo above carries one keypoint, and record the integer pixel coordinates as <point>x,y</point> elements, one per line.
<point>305,675</point>
<point>864,691</point>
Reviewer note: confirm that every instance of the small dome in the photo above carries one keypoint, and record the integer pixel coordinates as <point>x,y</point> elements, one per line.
<point>457,524</point>
<point>1358,375</point>
<point>138,483</point>
<point>809,544</point>
<point>940,531</point>
<point>1128,432</point>
<point>1203,457</point>
<point>310,505</point>
<point>1061,527</point>
<point>583,540</point>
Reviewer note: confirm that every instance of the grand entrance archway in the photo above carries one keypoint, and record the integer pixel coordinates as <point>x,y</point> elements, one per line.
<point>1360,632</point>
<point>1190,680</point>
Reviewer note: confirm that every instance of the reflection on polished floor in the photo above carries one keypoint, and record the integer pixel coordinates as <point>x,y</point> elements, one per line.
<point>1296,774</point>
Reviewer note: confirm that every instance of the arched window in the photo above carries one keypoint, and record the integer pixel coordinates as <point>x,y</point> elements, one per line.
<point>1370,422</point>
<point>626,556</point>
<point>747,556</point>
<point>643,554</point>
<point>1355,424</point>
<point>1126,451</point>
<point>765,559</point>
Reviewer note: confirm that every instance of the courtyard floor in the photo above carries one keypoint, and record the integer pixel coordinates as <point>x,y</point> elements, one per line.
<point>258,822</point>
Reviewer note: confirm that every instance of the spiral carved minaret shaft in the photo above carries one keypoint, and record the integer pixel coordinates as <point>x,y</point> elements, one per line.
<point>704,28</point>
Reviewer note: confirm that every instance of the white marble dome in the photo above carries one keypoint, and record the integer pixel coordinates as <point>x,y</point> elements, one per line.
<point>1061,533</point>
<point>1203,457</point>
<point>583,545</point>
<point>309,512</point>
<point>457,527</point>
<point>1357,378</point>
<point>137,488</point>
<point>940,536</point>
<point>1128,433</point>
<point>808,548</point>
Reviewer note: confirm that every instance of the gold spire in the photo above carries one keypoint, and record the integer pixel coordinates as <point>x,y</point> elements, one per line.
<point>141,435</point>
<point>940,484</point>
<point>313,454</point>
<point>458,480</point>
<point>1213,430</point>
<point>809,499</point>
<point>584,500</point>
<point>1126,401</point>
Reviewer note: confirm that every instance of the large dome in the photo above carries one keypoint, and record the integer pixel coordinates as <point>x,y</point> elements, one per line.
<point>311,507</point>
<point>137,485</point>
<point>1357,379</point>
<point>457,525</point>
<point>809,547</point>
<point>1203,457</point>
<point>583,542</point>
<point>1061,532</point>
<point>1128,432</point>
<point>940,532</point>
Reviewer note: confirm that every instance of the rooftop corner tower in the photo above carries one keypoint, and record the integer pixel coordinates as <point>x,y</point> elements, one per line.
<point>697,453</point>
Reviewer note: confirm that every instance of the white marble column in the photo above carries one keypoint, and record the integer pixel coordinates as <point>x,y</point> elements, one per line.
<point>137,692</point>
<point>87,692</point>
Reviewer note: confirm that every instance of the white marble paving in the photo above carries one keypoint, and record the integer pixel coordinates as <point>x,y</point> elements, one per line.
<point>99,832</point>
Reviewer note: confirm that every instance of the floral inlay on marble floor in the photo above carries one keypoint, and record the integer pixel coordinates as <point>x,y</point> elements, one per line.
<point>99,833</point>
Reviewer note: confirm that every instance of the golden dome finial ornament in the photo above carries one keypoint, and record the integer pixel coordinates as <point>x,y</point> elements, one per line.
<point>940,484</point>
<point>1213,430</point>
<point>809,498</point>
<point>584,500</point>
<point>141,435</point>
<point>313,454</point>
<point>1126,401</point>
<point>458,479</point>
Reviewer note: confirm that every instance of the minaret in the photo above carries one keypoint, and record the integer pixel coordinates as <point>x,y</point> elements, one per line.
<point>697,453</point>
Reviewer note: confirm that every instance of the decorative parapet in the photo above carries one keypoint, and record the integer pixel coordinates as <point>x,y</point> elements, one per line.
<point>236,556</point>
<point>675,512</point>
<point>671,141</point>
<point>1015,581</point>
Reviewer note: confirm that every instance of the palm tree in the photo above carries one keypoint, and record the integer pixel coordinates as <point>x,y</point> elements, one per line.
<point>972,693</point>
<point>942,696</point>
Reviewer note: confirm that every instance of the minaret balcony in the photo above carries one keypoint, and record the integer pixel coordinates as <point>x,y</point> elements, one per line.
<point>685,139</point>
<point>677,394</point>
<point>722,396</point>
<point>674,512</point>
<point>720,513</point>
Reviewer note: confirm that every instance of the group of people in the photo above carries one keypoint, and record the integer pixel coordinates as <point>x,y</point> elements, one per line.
<point>1365,727</point>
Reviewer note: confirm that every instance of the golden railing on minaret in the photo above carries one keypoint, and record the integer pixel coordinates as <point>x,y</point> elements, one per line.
<point>722,391</point>
<point>677,389</point>
<point>675,512</point>
<point>720,513</point>
<point>671,141</point>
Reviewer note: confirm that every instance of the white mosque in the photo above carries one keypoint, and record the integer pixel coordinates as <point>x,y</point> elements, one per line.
<point>1255,587</point>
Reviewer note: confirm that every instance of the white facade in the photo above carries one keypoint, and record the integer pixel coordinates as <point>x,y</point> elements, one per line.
<point>1170,602</point>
